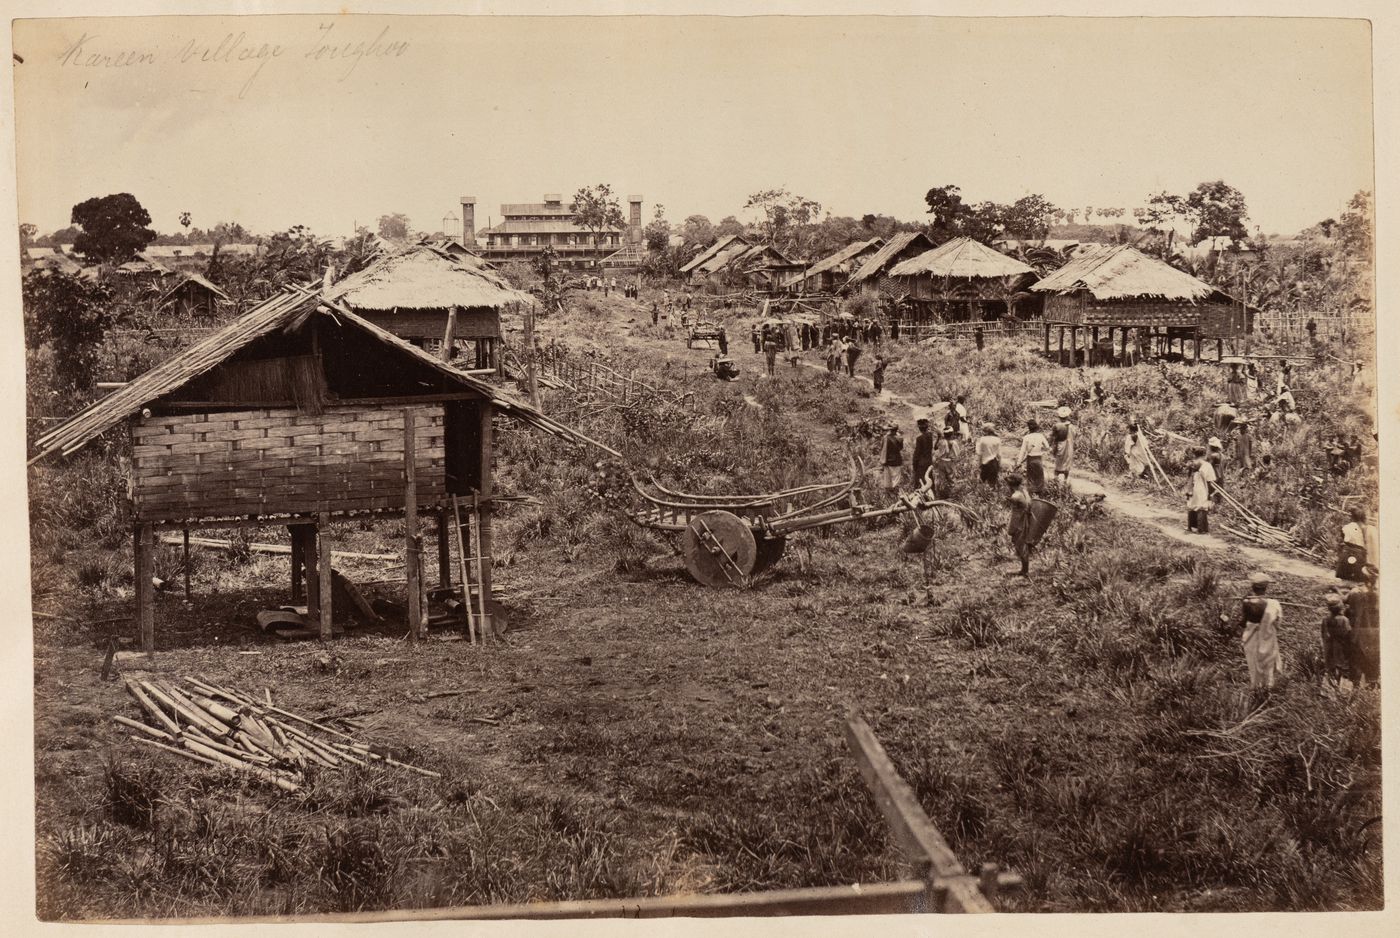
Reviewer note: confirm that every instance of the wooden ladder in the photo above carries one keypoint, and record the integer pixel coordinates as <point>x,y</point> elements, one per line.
<point>469,569</point>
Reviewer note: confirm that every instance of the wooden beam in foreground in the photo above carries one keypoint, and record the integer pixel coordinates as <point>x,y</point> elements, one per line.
<point>900,897</point>
<point>911,830</point>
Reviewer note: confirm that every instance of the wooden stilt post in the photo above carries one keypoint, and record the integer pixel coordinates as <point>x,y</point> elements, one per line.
<point>1123,344</point>
<point>412,554</point>
<point>444,546</point>
<point>1047,340</point>
<point>310,554</point>
<point>187,563</point>
<point>1219,349</point>
<point>298,561</point>
<point>486,506</point>
<point>1197,343</point>
<point>1062,345</point>
<point>323,573</point>
<point>144,556</point>
<point>449,335</point>
<point>1088,357</point>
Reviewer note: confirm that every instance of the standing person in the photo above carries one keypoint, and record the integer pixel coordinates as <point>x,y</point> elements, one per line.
<point>852,351</point>
<point>923,452</point>
<point>876,332</point>
<point>1135,452</point>
<point>979,337</point>
<point>1215,452</point>
<point>960,405</point>
<point>952,420</point>
<point>1198,502</point>
<point>1352,549</point>
<point>833,357</point>
<point>1062,437</point>
<point>894,329</point>
<point>945,458</point>
<point>1259,620</point>
<point>1251,377</point>
<point>1312,330</point>
<point>1336,642</point>
<point>1363,614</point>
<point>655,313</point>
<point>770,354</point>
<point>1034,446</point>
<point>1244,443</point>
<point>892,458</point>
<point>878,373</point>
<point>1019,525</point>
<point>723,341</point>
<point>753,332</point>
<point>1235,385</point>
<point>988,455</point>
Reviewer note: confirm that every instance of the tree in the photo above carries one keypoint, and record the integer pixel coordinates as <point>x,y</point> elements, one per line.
<point>729,225</point>
<point>394,227</point>
<point>697,229</point>
<point>1211,209</point>
<point>596,210</point>
<point>73,317</point>
<point>657,233</point>
<point>1029,217</point>
<point>785,216</point>
<point>27,232</point>
<point>185,219</point>
<point>945,204</point>
<point>1354,230</point>
<point>114,228</point>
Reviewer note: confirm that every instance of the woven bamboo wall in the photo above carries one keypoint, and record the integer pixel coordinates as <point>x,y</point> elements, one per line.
<point>431,324</point>
<point>256,462</point>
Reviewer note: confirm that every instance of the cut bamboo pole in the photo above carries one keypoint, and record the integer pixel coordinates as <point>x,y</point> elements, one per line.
<point>148,730</point>
<point>192,712</point>
<point>179,752</point>
<point>152,708</point>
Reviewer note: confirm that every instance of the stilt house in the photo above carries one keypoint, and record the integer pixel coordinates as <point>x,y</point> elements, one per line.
<point>874,274</point>
<point>831,273</point>
<point>962,280</point>
<point>194,296</point>
<point>434,299</point>
<point>1116,287</point>
<point>304,413</point>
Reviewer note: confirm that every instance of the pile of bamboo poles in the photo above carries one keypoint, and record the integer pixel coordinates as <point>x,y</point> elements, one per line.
<point>1256,529</point>
<point>204,722</point>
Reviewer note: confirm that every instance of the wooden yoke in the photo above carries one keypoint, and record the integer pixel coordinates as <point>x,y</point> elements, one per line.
<point>950,887</point>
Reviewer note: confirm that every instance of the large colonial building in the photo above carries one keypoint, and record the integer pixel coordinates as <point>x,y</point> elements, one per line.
<point>527,228</point>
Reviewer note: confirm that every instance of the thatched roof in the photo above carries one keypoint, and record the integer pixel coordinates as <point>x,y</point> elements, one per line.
<point>423,277</point>
<point>962,258</point>
<point>897,245</point>
<point>288,311</point>
<point>711,251</point>
<point>842,259</point>
<point>198,281</point>
<point>1119,271</point>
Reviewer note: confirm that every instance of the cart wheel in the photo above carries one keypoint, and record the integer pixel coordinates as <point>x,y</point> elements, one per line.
<point>719,549</point>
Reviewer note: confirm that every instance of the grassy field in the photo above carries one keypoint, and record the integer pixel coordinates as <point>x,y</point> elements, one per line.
<point>654,736</point>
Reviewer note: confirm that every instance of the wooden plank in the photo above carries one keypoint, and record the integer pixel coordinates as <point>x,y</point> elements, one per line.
<point>412,555</point>
<point>861,899</point>
<point>911,830</point>
<point>312,557</point>
<point>323,571</point>
<point>145,590</point>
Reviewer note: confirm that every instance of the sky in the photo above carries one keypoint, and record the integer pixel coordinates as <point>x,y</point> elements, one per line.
<point>329,121</point>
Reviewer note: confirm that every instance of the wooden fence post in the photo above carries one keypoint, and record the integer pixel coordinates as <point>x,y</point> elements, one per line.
<point>144,556</point>
<point>323,571</point>
<point>412,553</point>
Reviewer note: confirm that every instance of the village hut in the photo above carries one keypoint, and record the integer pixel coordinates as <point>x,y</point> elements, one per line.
<point>1116,287</point>
<point>874,274</point>
<point>831,272</point>
<point>305,413</point>
<point>195,296</point>
<point>761,268</point>
<point>699,266</point>
<point>435,300</point>
<point>962,280</point>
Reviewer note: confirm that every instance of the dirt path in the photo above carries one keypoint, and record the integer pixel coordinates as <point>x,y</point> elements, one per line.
<point>1134,505</point>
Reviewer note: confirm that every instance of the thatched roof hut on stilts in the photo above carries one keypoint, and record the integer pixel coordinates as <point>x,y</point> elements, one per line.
<point>303,412</point>
<point>963,280</point>
<point>1118,287</point>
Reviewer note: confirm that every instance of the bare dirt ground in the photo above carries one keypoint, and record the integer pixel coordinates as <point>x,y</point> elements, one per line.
<point>654,736</point>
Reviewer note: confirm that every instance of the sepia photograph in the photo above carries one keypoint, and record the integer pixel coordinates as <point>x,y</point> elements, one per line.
<point>629,466</point>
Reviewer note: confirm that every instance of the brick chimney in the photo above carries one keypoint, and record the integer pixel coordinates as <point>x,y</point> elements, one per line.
<point>468,220</point>
<point>634,219</point>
